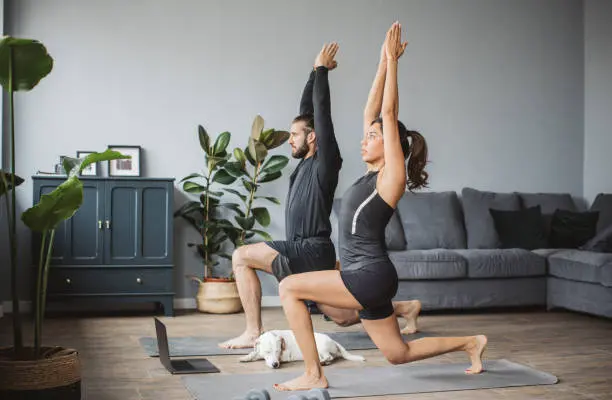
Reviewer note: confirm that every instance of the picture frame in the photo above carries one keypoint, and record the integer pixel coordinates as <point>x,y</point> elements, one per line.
<point>126,167</point>
<point>92,169</point>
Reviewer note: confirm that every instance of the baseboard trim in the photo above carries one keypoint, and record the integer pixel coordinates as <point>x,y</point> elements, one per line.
<point>179,304</point>
<point>190,303</point>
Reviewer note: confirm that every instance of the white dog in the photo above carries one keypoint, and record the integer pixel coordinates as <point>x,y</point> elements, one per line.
<point>278,346</point>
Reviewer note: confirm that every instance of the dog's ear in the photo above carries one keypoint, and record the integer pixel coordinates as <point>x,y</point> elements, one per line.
<point>283,344</point>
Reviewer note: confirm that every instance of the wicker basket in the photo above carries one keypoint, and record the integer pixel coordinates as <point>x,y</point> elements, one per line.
<point>58,367</point>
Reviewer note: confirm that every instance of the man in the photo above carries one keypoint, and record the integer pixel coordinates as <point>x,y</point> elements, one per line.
<point>312,185</point>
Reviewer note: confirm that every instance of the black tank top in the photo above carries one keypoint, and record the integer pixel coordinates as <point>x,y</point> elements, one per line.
<point>362,221</point>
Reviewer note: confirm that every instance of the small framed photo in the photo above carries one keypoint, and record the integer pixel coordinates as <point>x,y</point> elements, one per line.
<point>127,166</point>
<point>92,169</point>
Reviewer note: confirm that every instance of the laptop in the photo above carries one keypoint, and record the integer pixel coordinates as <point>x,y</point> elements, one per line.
<point>183,366</point>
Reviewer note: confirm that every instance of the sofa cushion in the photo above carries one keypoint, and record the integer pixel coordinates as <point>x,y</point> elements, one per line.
<point>428,264</point>
<point>520,229</point>
<point>570,230</point>
<point>432,220</point>
<point>578,265</point>
<point>549,203</point>
<point>546,252</point>
<point>481,233</point>
<point>394,232</point>
<point>501,263</point>
<point>603,204</point>
<point>606,275</point>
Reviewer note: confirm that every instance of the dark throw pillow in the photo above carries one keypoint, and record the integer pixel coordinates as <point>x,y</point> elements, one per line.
<point>601,243</point>
<point>520,229</point>
<point>570,230</point>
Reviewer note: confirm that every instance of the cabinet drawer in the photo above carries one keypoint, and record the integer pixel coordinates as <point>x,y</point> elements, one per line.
<point>109,280</point>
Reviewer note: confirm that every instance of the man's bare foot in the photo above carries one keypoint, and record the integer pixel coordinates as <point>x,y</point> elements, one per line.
<point>304,382</point>
<point>243,341</point>
<point>475,351</point>
<point>409,310</point>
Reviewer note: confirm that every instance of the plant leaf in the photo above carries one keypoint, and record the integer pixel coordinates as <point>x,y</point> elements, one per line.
<point>221,144</point>
<point>235,168</point>
<point>262,216</point>
<point>191,176</point>
<point>107,155</point>
<point>237,193</point>
<point>192,187</point>
<point>247,155</point>
<point>263,234</point>
<point>275,164</point>
<point>272,199</point>
<point>31,62</point>
<point>249,185</point>
<point>223,177</point>
<point>245,223</point>
<point>204,139</point>
<point>258,150</point>
<point>258,124</point>
<point>188,208</point>
<point>55,207</point>
<point>265,136</point>
<point>269,177</point>
<point>276,139</point>
<point>233,206</point>
<point>9,186</point>
<point>240,157</point>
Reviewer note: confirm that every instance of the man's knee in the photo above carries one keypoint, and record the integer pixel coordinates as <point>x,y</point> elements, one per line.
<point>287,287</point>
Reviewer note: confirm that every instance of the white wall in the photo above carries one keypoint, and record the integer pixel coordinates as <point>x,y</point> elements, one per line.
<point>495,86</point>
<point>598,97</point>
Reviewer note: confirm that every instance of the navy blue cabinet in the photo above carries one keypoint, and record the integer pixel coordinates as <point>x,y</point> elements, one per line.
<point>118,245</point>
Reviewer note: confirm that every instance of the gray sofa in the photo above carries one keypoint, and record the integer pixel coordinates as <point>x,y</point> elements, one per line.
<point>449,255</point>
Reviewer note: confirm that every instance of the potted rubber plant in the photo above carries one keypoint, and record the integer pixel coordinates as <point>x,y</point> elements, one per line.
<point>38,370</point>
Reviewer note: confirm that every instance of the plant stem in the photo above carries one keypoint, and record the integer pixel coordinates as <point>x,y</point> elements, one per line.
<point>43,297</point>
<point>18,339</point>
<point>207,269</point>
<point>251,197</point>
<point>39,282</point>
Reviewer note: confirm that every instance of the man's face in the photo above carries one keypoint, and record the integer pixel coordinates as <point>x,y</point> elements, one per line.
<point>298,140</point>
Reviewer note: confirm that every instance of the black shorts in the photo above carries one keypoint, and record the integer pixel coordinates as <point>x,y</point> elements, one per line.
<point>306,255</point>
<point>373,285</point>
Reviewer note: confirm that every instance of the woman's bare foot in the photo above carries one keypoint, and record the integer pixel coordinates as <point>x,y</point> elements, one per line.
<point>475,351</point>
<point>409,310</point>
<point>246,340</point>
<point>304,382</point>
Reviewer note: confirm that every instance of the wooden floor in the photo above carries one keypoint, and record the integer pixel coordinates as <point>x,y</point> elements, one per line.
<point>576,348</point>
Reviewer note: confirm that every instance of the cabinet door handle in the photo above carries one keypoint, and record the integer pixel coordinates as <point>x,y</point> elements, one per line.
<point>68,281</point>
<point>100,224</point>
<point>107,224</point>
<point>138,280</point>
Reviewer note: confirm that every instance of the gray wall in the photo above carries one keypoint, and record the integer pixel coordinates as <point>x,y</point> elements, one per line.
<point>495,86</point>
<point>597,98</point>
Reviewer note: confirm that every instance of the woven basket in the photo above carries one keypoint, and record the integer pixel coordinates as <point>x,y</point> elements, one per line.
<point>58,367</point>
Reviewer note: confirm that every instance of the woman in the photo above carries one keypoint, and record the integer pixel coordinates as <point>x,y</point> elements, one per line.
<point>368,280</point>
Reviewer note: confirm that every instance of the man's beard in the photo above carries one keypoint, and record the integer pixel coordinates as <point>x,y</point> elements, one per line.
<point>301,151</point>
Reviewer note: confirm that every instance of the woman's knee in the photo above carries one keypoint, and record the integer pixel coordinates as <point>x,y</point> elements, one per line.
<point>396,358</point>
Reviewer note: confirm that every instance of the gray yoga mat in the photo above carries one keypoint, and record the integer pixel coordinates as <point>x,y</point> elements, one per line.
<point>375,381</point>
<point>208,346</point>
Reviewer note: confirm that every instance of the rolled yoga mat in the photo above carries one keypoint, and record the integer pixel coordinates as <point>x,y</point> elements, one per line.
<point>375,381</point>
<point>208,346</point>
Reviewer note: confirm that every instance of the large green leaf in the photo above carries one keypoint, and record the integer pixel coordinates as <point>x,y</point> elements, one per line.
<point>237,193</point>
<point>55,207</point>
<point>7,176</point>
<point>235,168</point>
<point>275,164</point>
<point>107,155</point>
<point>30,60</point>
<point>269,177</point>
<point>263,234</point>
<point>191,176</point>
<point>258,150</point>
<point>221,144</point>
<point>272,199</point>
<point>262,216</point>
<point>258,124</point>
<point>240,157</point>
<point>188,208</point>
<point>249,185</point>
<point>204,139</point>
<point>192,187</point>
<point>233,206</point>
<point>223,177</point>
<point>276,139</point>
<point>265,135</point>
<point>245,223</point>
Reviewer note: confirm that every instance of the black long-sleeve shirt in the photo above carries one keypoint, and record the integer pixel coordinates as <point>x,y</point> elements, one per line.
<point>313,183</point>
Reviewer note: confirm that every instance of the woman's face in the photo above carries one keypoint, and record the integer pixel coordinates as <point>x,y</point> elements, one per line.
<point>372,149</point>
